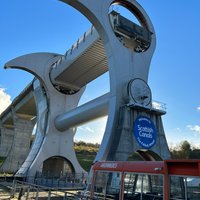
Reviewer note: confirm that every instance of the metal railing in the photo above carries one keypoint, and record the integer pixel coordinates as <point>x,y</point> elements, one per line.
<point>69,180</point>
<point>159,106</point>
<point>74,46</point>
<point>27,191</point>
<point>43,186</point>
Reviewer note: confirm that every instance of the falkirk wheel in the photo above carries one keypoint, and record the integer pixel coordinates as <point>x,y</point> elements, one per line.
<point>126,50</point>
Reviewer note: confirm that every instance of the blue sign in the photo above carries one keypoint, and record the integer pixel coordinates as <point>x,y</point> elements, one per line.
<point>145,132</point>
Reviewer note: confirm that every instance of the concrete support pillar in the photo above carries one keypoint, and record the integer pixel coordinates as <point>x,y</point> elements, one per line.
<point>20,145</point>
<point>126,144</point>
<point>6,139</point>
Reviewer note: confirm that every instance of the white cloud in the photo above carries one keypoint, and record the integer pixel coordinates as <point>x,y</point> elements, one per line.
<point>92,132</point>
<point>86,129</point>
<point>198,108</point>
<point>155,105</point>
<point>159,105</point>
<point>89,129</point>
<point>5,100</point>
<point>195,128</point>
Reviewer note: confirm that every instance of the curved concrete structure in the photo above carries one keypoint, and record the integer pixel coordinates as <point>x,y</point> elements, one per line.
<point>118,141</point>
<point>114,44</point>
<point>42,109</point>
<point>49,141</point>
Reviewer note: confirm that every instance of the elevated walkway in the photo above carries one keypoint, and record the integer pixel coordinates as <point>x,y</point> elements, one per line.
<point>23,105</point>
<point>84,62</point>
<point>16,125</point>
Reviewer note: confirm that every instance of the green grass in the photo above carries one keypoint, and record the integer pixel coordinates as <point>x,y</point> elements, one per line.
<point>86,153</point>
<point>85,160</point>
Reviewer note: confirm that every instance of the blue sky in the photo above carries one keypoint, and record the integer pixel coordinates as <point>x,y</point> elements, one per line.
<point>52,26</point>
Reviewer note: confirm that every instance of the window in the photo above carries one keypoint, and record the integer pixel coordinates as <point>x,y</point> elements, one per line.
<point>107,185</point>
<point>193,188</point>
<point>184,188</point>
<point>143,186</point>
<point>132,186</point>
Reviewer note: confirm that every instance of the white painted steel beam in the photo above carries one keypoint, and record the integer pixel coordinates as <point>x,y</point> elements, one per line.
<point>90,111</point>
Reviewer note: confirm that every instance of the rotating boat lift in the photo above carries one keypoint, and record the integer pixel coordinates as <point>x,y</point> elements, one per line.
<point>113,44</point>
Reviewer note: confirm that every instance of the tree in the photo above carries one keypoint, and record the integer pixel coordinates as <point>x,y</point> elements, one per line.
<point>195,154</point>
<point>185,149</point>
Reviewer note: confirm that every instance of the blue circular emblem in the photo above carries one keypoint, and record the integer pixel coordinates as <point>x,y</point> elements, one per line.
<point>145,132</point>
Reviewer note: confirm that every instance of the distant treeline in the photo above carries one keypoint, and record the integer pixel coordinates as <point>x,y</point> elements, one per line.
<point>83,147</point>
<point>183,150</point>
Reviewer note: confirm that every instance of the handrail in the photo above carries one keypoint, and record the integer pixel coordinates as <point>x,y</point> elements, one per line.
<point>74,46</point>
<point>159,105</point>
<point>29,190</point>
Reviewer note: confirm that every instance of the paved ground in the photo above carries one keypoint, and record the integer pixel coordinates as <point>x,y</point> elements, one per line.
<point>6,193</point>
